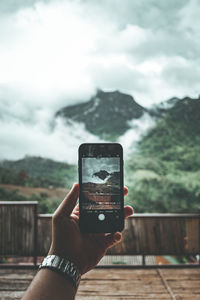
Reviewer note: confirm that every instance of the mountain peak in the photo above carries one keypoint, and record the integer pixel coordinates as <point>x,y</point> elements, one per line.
<point>106,114</point>
<point>101,94</point>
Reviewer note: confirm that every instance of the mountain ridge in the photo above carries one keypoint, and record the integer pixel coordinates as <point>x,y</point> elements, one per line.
<point>106,114</point>
<point>109,115</point>
<point>163,174</point>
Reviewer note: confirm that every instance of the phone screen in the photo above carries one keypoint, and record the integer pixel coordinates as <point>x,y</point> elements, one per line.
<point>101,183</point>
<point>101,187</point>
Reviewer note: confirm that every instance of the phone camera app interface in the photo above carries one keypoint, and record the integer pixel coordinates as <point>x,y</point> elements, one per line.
<point>101,183</point>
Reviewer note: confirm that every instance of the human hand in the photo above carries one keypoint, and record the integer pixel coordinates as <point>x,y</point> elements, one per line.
<point>84,250</point>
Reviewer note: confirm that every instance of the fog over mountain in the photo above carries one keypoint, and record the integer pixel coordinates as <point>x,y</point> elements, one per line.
<point>57,135</point>
<point>106,114</point>
<point>43,132</point>
<point>55,53</point>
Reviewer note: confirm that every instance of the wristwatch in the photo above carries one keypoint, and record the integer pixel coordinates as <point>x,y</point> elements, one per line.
<point>64,267</point>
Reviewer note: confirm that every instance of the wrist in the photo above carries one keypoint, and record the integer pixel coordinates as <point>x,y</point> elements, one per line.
<point>58,279</point>
<point>62,266</point>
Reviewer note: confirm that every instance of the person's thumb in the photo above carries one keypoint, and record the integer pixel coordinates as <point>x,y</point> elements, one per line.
<point>67,205</point>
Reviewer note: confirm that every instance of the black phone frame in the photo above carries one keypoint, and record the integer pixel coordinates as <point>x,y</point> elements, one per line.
<point>101,148</point>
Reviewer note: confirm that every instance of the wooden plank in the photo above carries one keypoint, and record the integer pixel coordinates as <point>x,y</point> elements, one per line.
<point>114,284</point>
<point>179,273</point>
<point>165,215</point>
<point>16,273</point>
<point>16,285</point>
<point>192,238</point>
<point>120,273</point>
<point>10,295</point>
<point>116,296</point>
<point>159,236</point>
<point>119,288</point>
<point>18,295</point>
<point>44,235</point>
<point>17,229</point>
<point>184,283</point>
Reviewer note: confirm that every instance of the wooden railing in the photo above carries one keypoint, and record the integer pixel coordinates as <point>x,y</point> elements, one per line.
<point>160,234</point>
<point>18,228</point>
<point>23,232</point>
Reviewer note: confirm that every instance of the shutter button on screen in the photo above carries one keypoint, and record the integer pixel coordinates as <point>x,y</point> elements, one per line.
<point>101,217</point>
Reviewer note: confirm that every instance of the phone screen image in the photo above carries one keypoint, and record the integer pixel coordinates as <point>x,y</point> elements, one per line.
<point>101,199</point>
<point>101,183</point>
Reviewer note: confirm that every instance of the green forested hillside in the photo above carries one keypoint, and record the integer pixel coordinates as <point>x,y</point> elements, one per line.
<point>36,179</point>
<point>37,172</point>
<point>164,175</point>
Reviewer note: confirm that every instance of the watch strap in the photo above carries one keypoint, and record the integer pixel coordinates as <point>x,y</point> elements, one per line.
<point>62,266</point>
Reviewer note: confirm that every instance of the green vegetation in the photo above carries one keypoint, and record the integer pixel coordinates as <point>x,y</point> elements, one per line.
<point>119,262</point>
<point>38,172</point>
<point>10,195</point>
<point>46,203</point>
<point>164,175</point>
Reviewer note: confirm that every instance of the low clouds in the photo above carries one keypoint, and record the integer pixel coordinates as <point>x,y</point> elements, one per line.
<point>42,138</point>
<point>55,53</point>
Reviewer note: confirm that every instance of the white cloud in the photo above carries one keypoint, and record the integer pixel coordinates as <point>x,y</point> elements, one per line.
<point>61,143</point>
<point>51,52</point>
<point>189,17</point>
<point>116,71</point>
<point>180,74</point>
<point>120,41</point>
<point>138,127</point>
<point>58,49</point>
<point>54,53</point>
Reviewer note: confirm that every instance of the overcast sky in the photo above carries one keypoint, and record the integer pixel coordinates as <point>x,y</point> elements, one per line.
<point>60,51</point>
<point>57,52</point>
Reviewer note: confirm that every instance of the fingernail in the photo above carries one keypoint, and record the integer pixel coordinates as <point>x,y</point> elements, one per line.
<point>118,237</point>
<point>73,186</point>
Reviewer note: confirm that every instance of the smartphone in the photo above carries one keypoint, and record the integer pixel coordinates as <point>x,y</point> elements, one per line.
<point>101,198</point>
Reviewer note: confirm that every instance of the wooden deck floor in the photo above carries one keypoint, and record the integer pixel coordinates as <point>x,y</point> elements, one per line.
<point>115,284</point>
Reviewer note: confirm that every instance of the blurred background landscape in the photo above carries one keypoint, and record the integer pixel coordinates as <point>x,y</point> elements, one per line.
<point>100,71</point>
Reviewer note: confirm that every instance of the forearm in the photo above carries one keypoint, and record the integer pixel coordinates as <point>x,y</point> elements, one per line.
<point>47,284</point>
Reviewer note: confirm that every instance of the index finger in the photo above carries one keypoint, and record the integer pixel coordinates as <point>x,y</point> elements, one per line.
<point>67,205</point>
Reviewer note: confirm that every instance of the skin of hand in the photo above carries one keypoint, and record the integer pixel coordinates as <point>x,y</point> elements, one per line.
<point>84,250</point>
